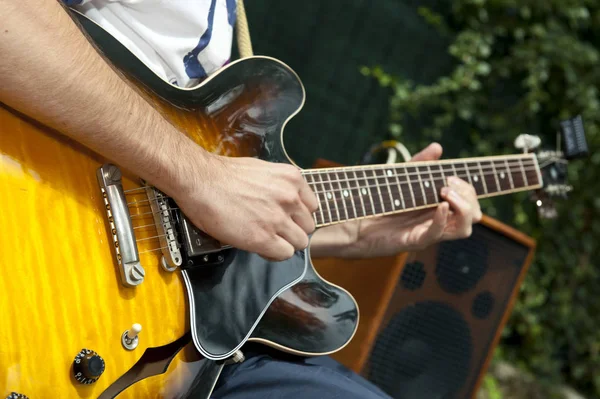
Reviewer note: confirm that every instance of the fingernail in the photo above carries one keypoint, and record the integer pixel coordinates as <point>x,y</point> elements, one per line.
<point>445,191</point>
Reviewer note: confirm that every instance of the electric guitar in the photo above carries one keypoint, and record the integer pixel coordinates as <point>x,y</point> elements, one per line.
<point>109,290</point>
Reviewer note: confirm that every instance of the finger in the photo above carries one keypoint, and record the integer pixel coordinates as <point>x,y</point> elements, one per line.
<point>308,198</point>
<point>462,212</point>
<point>293,234</point>
<point>438,225</point>
<point>467,192</point>
<point>304,219</point>
<point>278,250</point>
<point>432,152</point>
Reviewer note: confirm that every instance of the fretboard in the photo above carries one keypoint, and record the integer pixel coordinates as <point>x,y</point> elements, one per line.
<point>356,192</point>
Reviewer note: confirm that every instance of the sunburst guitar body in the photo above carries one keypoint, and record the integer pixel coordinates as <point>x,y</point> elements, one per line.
<point>68,294</point>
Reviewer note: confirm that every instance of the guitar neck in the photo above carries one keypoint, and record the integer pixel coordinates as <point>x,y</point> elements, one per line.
<point>348,193</point>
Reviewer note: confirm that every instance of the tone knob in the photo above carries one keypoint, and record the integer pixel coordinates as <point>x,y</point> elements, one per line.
<point>15,395</point>
<point>88,366</point>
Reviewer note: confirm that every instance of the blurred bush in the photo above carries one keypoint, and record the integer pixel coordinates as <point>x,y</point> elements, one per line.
<point>521,67</point>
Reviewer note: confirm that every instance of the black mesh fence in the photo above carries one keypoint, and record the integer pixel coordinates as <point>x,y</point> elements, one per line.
<point>326,42</point>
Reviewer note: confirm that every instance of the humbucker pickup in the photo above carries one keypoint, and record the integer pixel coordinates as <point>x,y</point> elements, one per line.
<point>196,242</point>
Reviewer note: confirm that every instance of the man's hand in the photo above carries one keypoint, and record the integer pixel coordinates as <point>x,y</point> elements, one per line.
<point>389,235</point>
<point>251,204</point>
<point>247,203</point>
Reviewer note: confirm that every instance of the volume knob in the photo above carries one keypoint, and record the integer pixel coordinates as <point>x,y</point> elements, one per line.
<point>88,366</point>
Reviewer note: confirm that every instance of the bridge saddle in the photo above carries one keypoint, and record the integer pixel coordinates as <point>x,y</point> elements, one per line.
<point>124,244</point>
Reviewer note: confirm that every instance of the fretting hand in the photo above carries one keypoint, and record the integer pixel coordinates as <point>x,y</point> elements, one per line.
<point>413,230</point>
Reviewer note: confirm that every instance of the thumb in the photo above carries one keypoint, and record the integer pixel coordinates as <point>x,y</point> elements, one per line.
<point>432,152</point>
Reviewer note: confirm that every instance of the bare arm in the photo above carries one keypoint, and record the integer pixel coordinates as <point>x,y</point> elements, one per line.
<point>53,74</point>
<point>49,71</point>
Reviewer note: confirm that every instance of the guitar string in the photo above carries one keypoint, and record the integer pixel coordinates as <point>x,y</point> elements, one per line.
<point>146,202</point>
<point>443,162</point>
<point>348,210</point>
<point>490,166</point>
<point>323,214</point>
<point>395,166</point>
<point>491,172</point>
<point>417,195</point>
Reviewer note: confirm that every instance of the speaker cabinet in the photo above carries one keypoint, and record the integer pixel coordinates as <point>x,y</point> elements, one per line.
<point>446,314</point>
<point>430,320</point>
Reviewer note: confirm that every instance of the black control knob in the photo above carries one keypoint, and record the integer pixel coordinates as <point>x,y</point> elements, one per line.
<point>15,395</point>
<point>88,366</point>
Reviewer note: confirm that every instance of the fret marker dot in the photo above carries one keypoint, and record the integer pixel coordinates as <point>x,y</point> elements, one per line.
<point>389,172</point>
<point>346,193</point>
<point>329,196</point>
<point>397,203</point>
<point>475,178</point>
<point>502,175</point>
<point>364,191</point>
<point>426,183</point>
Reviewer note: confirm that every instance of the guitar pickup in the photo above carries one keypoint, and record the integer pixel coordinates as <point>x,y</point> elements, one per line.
<point>195,241</point>
<point>123,238</point>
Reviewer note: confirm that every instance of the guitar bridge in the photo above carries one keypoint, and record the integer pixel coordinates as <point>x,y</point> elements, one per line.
<point>119,219</point>
<point>165,225</point>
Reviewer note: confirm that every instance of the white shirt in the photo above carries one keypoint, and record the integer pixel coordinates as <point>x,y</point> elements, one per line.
<point>182,41</point>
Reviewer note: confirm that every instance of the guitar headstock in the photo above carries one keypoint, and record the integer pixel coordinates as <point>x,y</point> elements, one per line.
<point>554,163</point>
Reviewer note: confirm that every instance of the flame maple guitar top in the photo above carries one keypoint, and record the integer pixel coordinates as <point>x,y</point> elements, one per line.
<point>61,290</point>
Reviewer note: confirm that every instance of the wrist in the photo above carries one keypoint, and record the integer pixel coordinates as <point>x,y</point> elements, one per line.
<point>335,241</point>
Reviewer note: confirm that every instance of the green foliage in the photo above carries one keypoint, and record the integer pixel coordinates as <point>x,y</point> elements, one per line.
<point>490,386</point>
<point>521,67</point>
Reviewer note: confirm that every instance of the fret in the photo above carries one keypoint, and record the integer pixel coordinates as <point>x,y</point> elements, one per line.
<point>325,196</point>
<point>425,185</point>
<point>404,179</point>
<point>332,197</point>
<point>475,177</point>
<point>400,187</point>
<point>531,171</point>
<point>394,202</point>
<point>448,170</point>
<point>483,178</point>
<point>378,191</point>
<point>341,192</point>
<point>347,194</point>
<point>509,172</point>
<point>433,185</point>
<point>367,190</point>
<point>360,195</point>
<point>502,176</point>
<point>416,187</point>
<point>463,172</point>
<point>437,175</point>
<point>516,173</point>
<point>312,181</point>
<point>523,171</point>
<point>493,181</point>
<point>454,170</point>
<point>384,183</point>
<point>353,194</point>
<point>538,172</point>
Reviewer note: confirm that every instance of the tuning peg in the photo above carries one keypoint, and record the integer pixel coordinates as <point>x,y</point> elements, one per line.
<point>527,142</point>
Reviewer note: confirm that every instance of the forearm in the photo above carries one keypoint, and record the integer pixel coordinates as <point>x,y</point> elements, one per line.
<point>50,72</point>
<point>333,241</point>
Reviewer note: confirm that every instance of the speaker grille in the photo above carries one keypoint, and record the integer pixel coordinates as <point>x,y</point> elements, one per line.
<point>423,352</point>
<point>413,276</point>
<point>461,264</point>
<point>442,320</point>
<point>483,305</point>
